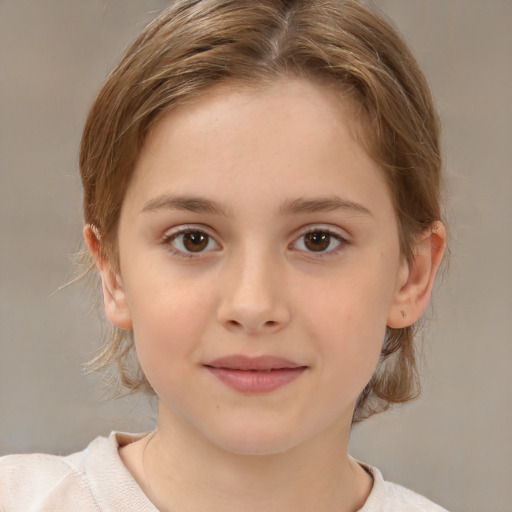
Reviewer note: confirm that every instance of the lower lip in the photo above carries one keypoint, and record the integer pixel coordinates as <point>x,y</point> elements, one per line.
<point>250,381</point>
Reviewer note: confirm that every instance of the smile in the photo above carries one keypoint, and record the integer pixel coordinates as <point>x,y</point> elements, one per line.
<point>255,375</point>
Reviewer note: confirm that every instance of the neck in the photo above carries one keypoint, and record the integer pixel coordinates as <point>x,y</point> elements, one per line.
<point>183,471</point>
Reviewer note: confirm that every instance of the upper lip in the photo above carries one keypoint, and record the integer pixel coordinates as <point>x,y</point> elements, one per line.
<point>261,363</point>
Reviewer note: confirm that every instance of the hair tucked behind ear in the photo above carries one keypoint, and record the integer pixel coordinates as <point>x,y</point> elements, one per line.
<point>195,45</point>
<point>396,378</point>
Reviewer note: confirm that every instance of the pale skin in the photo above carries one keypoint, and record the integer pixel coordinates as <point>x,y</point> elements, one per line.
<point>251,173</point>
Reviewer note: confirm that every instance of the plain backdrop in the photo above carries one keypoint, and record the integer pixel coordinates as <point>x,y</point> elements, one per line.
<point>454,443</point>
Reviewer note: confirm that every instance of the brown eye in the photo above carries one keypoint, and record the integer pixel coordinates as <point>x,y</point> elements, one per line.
<point>318,241</point>
<point>195,241</point>
<point>188,242</point>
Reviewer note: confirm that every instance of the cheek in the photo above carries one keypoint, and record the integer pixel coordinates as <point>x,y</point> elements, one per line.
<point>347,318</point>
<point>168,325</point>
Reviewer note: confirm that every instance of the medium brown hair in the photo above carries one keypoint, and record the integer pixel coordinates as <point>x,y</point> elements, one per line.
<point>194,45</point>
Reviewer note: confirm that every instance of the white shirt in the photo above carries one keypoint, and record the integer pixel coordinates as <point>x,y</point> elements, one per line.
<point>96,479</point>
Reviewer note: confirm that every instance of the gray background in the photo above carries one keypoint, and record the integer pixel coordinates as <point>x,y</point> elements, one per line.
<point>450,445</point>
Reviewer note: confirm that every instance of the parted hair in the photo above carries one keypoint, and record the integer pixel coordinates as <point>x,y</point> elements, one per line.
<point>197,44</point>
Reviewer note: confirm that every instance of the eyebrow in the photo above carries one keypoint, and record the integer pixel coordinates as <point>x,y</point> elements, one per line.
<point>323,204</point>
<point>185,203</point>
<point>300,205</point>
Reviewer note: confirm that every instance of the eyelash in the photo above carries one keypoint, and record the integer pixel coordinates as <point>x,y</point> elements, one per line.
<point>168,240</point>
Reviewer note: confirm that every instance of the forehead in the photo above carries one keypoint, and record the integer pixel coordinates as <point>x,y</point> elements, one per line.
<point>280,137</point>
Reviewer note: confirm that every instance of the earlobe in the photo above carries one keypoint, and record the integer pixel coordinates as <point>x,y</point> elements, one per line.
<point>416,278</point>
<point>114,294</point>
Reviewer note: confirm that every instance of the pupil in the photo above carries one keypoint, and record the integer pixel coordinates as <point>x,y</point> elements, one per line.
<point>195,241</point>
<point>318,241</point>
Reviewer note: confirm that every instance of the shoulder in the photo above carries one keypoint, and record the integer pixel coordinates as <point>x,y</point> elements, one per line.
<point>45,482</point>
<point>91,480</point>
<point>409,500</point>
<point>390,497</point>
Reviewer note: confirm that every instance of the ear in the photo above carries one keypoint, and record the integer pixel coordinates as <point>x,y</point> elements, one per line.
<point>416,279</point>
<point>114,294</point>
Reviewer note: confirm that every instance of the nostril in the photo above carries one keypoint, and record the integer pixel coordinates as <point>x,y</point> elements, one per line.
<point>270,324</point>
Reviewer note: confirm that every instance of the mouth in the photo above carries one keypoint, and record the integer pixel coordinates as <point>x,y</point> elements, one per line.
<point>255,374</point>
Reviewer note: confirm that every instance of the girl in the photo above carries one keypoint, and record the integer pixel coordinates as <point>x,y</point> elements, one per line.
<point>261,199</point>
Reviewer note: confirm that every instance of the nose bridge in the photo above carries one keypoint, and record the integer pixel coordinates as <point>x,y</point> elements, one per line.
<point>254,296</point>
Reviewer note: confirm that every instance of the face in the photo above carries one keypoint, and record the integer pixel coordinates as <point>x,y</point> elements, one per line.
<point>259,265</point>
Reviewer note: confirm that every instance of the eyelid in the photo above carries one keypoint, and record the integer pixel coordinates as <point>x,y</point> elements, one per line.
<point>327,228</point>
<point>185,228</point>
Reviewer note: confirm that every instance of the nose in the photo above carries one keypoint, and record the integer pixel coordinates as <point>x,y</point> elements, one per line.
<point>254,297</point>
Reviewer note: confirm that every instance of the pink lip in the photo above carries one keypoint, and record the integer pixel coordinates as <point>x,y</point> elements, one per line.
<point>255,374</point>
